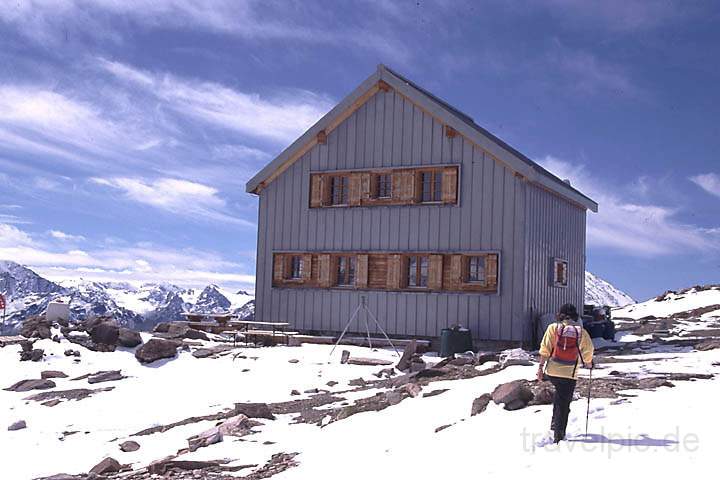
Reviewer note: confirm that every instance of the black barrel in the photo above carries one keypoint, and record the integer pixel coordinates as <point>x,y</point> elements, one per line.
<point>455,340</point>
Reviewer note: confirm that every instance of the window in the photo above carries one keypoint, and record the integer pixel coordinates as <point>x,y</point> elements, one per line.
<point>431,186</point>
<point>417,271</point>
<point>560,273</point>
<point>383,186</point>
<point>339,187</point>
<point>475,269</point>
<point>345,271</point>
<point>295,270</point>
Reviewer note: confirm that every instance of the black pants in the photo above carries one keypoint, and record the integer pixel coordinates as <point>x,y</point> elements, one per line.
<point>564,389</point>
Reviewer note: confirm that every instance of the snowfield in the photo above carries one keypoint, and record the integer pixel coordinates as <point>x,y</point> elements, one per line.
<point>659,433</point>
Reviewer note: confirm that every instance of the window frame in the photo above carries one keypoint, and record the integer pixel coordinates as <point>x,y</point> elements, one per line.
<point>344,190</point>
<point>378,192</point>
<point>291,271</point>
<point>435,185</point>
<point>556,262</point>
<point>481,264</point>
<point>349,276</point>
<point>422,262</point>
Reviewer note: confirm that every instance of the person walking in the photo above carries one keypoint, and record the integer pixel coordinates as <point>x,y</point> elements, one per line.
<point>564,346</point>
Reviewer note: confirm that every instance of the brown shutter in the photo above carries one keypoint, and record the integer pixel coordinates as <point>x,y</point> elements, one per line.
<point>435,272</point>
<point>395,272</point>
<point>361,271</point>
<point>491,271</point>
<point>397,179</point>
<point>325,271</point>
<point>455,272</point>
<point>307,268</point>
<point>410,186</point>
<point>316,191</point>
<point>449,184</point>
<point>354,181</point>
<point>378,271</point>
<point>366,187</point>
<point>403,186</point>
<point>278,268</point>
<point>326,181</point>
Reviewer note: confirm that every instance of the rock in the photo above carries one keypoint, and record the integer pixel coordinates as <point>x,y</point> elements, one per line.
<point>34,355</point>
<point>417,364</point>
<point>344,357</point>
<point>160,467</point>
<point>442,427</point>
<point>69,352</point>
<point>50,403</point>
<point>193,334</point>
<point>209,352</point>
<point>19,425</point>
<point>52,374</point>
<point>412,389</point>
<point>331,383</point>
<point>27,385</point>
<point>514,395</point>
<point>706,345</point>
<point>108,376</point>
<point>515,356</point>
<point>543,394</point>
<point>386,372</point>
<point>254,410</point>
<point>130,446</point>
<point>107,465</point>
<point>128,338</point>
<point>36,327</point>
<point>56,338</point>
<point>204,439</point>
<point>156,349</point>
<point>407,356</point>
<point>484,357</point>
<point>371,362</point>
<point>294,392</point>
<point>105,333</point>
<point>293,360</point>
<point>161,327</point>
<point>74,394</point>
<point>480,404</point>
<point>312,390</point>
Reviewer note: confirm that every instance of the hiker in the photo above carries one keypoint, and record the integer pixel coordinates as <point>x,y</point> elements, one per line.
<point>564,346</point>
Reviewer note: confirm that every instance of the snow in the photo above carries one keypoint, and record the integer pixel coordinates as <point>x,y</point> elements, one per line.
<point>600,292</point>
<point>399,441</point>
<point>673,303</point>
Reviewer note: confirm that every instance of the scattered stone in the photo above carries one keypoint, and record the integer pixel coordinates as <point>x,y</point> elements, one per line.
<point>107,465</point>
<point>442,427</point>
<point>162,327</point>
<point>407,356</point>
<point>156,349</point>
<point>312,390</point>
<point>52,374</point>
<point>484,357</point>
<point>129,338</point>
<point>331,383</point>
<point>107,376</point>
<point>435,392</point>
<point>74,394</point>
<point>36,327</point>
<point>105,333</point>
<point>254,410</point>
<point>35,355</point>
<point>209,352</point>
<point>412,389</point>
<point>480,404</point>
<point>543,393</point>
<point>56,338</point>
<point>161,467</point>
<point>130,446</point>
<point>193,334</point>
<point>19,425</point>
<point>386,373</point>
<point>27,385</point>
<point>237,426</point>
<point>514,395</point>
<point>344,357</point>
<point>417,364</point>
<point>357,382</point>
<point>294,392</point>
<point>708,345</point>
<point>69,352</point>
<point>515,356</point>
<point>50,403</point>
<point>370,362</point>
<point>293,360</point>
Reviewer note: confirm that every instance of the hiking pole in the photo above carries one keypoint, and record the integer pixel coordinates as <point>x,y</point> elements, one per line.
<point>587,413</point>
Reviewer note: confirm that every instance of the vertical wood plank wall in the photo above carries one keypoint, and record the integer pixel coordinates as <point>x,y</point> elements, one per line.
<point>492,215</point>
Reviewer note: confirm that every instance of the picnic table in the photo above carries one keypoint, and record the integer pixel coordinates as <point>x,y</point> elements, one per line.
<point>255,329</point>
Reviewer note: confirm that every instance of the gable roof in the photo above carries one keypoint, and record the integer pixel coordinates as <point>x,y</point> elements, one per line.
<point>443,112</point>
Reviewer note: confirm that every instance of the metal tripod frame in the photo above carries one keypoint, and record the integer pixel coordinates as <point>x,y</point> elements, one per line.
<point>363,306</point>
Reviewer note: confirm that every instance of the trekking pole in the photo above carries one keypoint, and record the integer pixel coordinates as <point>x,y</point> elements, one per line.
<point>587,413</point>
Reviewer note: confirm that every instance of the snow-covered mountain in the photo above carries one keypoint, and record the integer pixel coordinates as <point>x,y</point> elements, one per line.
<point>27,293</point>
<point>601,292</point>
<point>699,301</point>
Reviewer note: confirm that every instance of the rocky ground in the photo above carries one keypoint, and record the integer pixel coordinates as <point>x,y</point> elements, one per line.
<point>98,401</point>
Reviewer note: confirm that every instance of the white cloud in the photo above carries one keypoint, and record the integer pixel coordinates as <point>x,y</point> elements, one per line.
<point>60,235</point>
<point>643,230</point>
<point>710,182</point>
<point>282,118</point>
<point>140,262</point>
<point>180,197</point>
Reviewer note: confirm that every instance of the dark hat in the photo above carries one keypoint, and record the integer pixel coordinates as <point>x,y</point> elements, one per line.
<point>569,310</point>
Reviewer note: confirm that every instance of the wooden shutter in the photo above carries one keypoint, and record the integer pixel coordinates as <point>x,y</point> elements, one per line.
<point>454,278</point>
<point>395,272</point>
<point>316,191</point>
<point>449,184</point>
<point>307,268</point>
<point>354,195</point>
<point>435,269</point>
<point>325,271</point>
<point>278,268</point>
<point>361,271</point>
<point>366,187</point>
<point>491,271</point>
<point>378,271</point>
<point>326,182</point>
<point>403,186</point>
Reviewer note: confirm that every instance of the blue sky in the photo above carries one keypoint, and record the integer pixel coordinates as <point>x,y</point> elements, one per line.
<point>128,129</point>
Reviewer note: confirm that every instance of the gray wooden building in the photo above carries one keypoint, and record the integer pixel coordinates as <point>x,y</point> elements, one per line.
<point>397,196</point>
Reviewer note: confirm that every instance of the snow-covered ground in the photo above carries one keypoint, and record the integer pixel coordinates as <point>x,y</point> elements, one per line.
<point>662,433</point>
<point>673,303</point>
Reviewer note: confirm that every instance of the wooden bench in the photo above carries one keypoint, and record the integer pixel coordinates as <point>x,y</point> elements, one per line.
<point>273,329</point>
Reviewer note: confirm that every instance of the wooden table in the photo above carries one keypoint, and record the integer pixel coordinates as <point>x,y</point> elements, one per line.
<point>249,328</point>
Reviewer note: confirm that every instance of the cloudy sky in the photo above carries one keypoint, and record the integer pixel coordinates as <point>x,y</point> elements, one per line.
<point>128,128</point>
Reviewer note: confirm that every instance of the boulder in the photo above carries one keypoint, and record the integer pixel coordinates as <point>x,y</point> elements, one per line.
<point>128,338</point>
<point>706,345</point>
<point>52,374</point>
<point>371,362</point>
<point>130,446</point>
<point>107,465</point>
<point>27,385</point>
<point>193,334</point>
<point>254,410</point>
<point>34,355</point>
<point>514,395</point>
<point>480,404</point>
<point>204,439</point>
<point>412,389</point>
<point>36,327</point>
<point>19,425</point>
<point>161,467</point>
<point>543,393</point>
<point>344,357</point>
<point>156,349</point>
<point>107,376</point>
<point>407,355</point>
<point>70,352</point>
<point>237,426</point>
<point>161,327</point>
<point>105,333</point>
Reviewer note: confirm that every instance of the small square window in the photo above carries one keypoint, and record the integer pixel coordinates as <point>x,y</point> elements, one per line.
<point>560,273</point>
<point>383,185</point>
<point>417,271</point>
<point>295,270</point>
<point>431,186</point>
<point>339,187</point>
<point>345,271</point>
<point>475,272</point>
